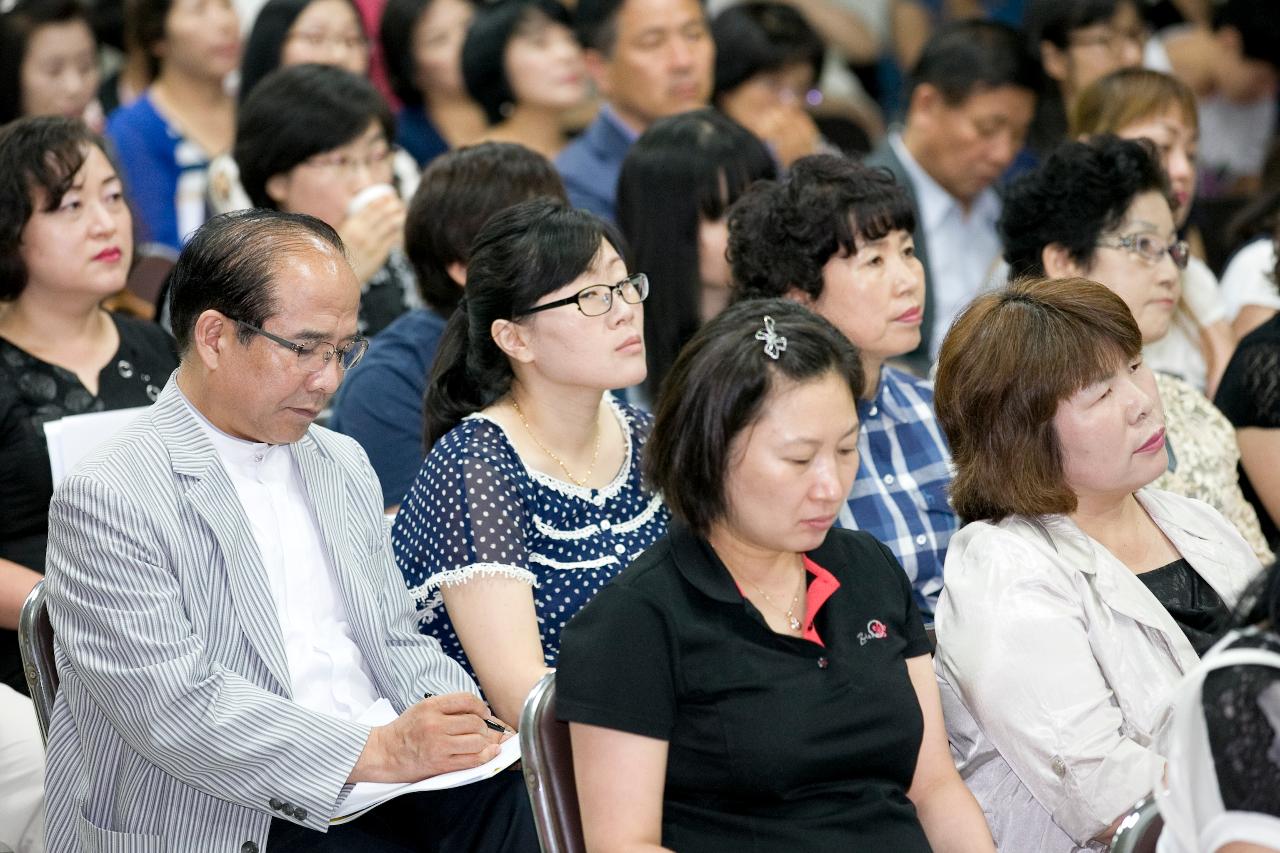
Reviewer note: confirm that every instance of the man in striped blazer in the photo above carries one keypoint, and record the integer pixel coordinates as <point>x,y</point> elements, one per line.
<point>224,600</point>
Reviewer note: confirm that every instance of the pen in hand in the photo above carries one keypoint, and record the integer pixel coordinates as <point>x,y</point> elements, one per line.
<point>493,724</point>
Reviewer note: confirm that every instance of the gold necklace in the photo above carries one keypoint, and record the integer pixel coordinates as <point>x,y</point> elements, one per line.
<point>595,454</point>
<point>792,621</point>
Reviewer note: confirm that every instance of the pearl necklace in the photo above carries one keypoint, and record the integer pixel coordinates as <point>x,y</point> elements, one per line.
<point>595,454</point>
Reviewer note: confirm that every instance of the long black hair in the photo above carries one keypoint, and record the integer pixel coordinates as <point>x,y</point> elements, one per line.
<point>682,170</point>
<point>265,44</point>
<point>519,256</point>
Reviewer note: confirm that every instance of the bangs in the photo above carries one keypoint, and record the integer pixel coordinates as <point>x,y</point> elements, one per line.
<point>563,246</point>
<point>55,173</point>
<point>871,218</point>
<point>724,175</point>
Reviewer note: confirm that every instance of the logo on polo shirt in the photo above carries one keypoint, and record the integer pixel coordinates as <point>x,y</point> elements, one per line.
<point>876,630</point>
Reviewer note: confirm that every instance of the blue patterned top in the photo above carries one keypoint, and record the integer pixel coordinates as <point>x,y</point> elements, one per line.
<point>900,495</point>
<point>475,509</point>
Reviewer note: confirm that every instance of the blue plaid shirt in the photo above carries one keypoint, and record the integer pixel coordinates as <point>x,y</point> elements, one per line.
<point>900,495</point>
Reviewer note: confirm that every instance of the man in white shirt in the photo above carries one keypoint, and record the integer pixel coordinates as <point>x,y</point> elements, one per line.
<point>225,605</point>
<point>971,98</point>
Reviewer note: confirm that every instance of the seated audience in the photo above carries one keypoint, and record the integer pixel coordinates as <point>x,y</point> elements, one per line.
<point>255,610</point>
<point>289,32</point>
<point>649,59</point>
<point>184,119</point>
<point>316,139</point>
<point>522,64</point>
<point>422,46</point>
<point>297,32</point>
<point>66,242</point>
<point>768,60</point>
<point>531,496</point>
<point>765,680</point>
<point>1224,768</point>
<point>969,103</point>
<point>1075,596</point>
<point>1250,398</point>
<point>1232,67</point>
<point>380,405</point>
<point>1101,211</point>
<point>836,236</point>
<point>674,193</point>
<point>66,237</point>
<point>49,62</point>
<point>1138,104</point>
<point>1078,42</point>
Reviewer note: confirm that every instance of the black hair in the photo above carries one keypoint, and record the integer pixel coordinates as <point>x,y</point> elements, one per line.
<point>963,57</point>
<point>458,193</point>
<point>1055,20</point>
<point>762,36</point>
<point>1258,25</point>
<point>484,67</point>
<point>1260,602</point>
<point>266,40</point>
<point>395,33</point>
<point>39,156</point>
<point>520,255</point>
<point>782,233</point>
<point>1080,191</point>
<point>228,265</point>
<point>144,23</point>
<point>718,387</point>
<point>16,28</point>
<point>683,169</point>
<point>595,22</point>
<point>299,112</point>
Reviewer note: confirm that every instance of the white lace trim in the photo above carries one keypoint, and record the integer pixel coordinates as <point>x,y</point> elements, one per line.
<point>564,487</point>
<point>452,577</point>
<point>598,562</point>
<point>655,504</point>
<point>565,535</point>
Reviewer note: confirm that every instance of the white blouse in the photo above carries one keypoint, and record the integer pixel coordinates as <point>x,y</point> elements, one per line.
<point>1056,663</point>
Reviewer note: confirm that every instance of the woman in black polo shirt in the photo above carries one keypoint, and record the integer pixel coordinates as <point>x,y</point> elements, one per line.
<point>757,681</point>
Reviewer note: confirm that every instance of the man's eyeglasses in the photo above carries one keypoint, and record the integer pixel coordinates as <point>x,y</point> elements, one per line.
<point>316,356</point>
<point>1151,249</point>
<point>598,298</point>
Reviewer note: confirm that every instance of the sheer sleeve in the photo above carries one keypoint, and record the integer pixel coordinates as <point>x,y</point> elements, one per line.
<point>1250,392</point>
<point>465,514</point>
<point>1242,713</point>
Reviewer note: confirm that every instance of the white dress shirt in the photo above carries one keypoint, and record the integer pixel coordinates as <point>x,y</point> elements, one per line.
<point>963,245</point>
<point>1056,664</point>
<point>326,668</point>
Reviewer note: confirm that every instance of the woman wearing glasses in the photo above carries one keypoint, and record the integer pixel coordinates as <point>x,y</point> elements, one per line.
<point>315,139</point>
<point>1101,211</point>
<point>531,496</point>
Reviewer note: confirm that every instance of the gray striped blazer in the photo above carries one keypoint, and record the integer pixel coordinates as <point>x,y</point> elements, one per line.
<point>173,728</point>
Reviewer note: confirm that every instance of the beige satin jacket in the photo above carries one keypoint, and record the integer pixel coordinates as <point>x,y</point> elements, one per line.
<point>1056,666</point>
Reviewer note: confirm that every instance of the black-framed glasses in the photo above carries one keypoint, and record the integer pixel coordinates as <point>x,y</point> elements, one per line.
<point>316,356</point>
<point>598,298</point>
<point>1151,248</point>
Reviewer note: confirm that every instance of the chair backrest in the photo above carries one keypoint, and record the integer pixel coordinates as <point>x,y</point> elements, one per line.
<point>548,771</point>
<point>1140,829</point>
<point>35,639</point>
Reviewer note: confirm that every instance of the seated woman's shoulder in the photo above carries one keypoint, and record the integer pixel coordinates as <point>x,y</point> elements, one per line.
<point>1016,549</point>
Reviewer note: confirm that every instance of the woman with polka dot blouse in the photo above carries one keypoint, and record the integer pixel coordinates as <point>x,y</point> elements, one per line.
<point>531,496</point>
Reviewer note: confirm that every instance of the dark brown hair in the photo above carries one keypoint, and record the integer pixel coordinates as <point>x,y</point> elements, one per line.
<point>1005,365</point>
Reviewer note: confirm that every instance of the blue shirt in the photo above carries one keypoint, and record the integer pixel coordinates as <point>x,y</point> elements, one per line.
<point>165,175</point>
<point>380,403</point>
<point>900,494</point>
<point>476,510</point>
<point>416,134</point>
<point>590,164</point>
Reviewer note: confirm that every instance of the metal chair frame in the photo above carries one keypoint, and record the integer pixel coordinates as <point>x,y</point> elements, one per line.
<point>545,751</point>
<point>1140,829</point>
<point>35,640</point>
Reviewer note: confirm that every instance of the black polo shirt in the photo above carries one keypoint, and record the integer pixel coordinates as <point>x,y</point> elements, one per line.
<point>777,743</point>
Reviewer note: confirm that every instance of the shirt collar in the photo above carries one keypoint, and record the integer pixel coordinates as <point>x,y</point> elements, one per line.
<point>608,114</point>
<point>888,402</point>
<point>236,453</point>
<point>699,564</point>
<point>935,203</point>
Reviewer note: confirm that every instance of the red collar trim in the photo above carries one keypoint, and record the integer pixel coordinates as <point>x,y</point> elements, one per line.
<point>823,586</point>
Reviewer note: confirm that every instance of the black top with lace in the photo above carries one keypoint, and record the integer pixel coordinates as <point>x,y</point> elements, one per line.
<point>33,392</point>
<point>1197,608</point>
<point>1244,736</point>
<point>1249,396</point>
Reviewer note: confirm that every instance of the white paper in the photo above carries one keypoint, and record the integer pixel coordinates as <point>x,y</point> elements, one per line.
<point>74,437</point>
<point>363,796</point>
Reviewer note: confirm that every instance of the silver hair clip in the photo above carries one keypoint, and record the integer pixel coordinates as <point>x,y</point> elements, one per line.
<point>774,343</point>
